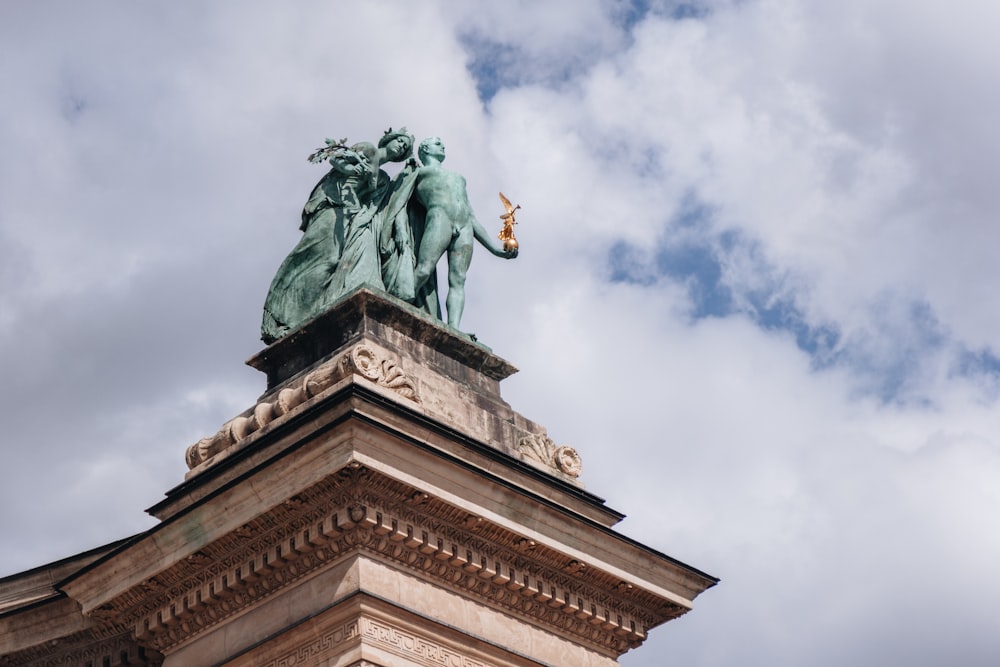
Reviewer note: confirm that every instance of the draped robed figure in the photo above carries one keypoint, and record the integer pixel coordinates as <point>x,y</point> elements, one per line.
<point>344,223</point>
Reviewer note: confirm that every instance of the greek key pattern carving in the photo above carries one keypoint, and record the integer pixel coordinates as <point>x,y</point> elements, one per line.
<point>329,641</point>
<point>416,648</point>
<point>375,632</point>
<point>358,510</point>
<point>543,452</point>
<point>360,360</point>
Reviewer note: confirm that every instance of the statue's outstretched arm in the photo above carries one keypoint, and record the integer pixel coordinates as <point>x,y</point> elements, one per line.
<point>486,239</point>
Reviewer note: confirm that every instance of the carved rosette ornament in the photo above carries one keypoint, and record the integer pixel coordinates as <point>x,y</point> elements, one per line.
<point>365,361</point>
<point>360,360</point>
<point>543,452</point>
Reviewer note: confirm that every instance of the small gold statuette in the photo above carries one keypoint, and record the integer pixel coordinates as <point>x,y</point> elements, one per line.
<point>507,233</point>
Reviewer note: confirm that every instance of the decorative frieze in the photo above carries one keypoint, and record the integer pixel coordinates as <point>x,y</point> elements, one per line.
<point>329,642</point>
<point>357,510</point>
<point>414,647</point>
<point>362,360</point>
<point>377,633</point>
<point>84,649</point>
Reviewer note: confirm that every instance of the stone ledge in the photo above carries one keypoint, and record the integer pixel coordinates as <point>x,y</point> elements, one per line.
<point>424,531</point>
<point>364,311</point>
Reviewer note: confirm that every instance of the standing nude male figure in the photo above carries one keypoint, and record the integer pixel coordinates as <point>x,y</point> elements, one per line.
<point>450,226</point>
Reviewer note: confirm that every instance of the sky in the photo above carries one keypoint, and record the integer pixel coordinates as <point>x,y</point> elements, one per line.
<point>757,288</point>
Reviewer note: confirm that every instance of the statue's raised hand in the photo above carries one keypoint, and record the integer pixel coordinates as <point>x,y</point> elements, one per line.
<point>500,251</point>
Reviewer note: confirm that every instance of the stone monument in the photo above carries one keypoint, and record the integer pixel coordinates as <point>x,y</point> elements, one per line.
<point>362,229</point>
<point>380,505</point>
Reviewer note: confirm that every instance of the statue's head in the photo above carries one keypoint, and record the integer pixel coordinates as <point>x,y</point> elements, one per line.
<point>398,144</point>
<point>431,146</point>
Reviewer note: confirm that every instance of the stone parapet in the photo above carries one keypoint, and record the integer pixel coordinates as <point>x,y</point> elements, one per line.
<point>424,339</point>
<point>375,340</point>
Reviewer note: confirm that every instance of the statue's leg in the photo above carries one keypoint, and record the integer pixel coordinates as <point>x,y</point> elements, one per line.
<point>459,259</point>
<point>437,236</point>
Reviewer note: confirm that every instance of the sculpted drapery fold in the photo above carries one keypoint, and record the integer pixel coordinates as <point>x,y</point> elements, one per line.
<point>343,225</point>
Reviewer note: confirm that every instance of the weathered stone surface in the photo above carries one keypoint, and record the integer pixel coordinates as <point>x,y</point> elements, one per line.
<point>373,339</point>
<point>54,631</point>
<point>360,490</point>
<point>39,584</point>
<point>394,322</point>
<point>381,505</point>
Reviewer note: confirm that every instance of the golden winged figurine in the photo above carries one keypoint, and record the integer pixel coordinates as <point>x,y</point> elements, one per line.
<point>507,233</point>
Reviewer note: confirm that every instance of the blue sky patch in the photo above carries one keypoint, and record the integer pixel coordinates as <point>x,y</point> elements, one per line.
<point>496,63</point>
<point>981,364</point>
<point>489,66</point>
<point>888,361</point>
<point>698,267</point>
<point>631,12</point>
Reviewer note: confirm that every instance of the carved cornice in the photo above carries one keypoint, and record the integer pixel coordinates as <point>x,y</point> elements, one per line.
<point>361,360</point>
<point>357,510</point>
<point>85,648</point>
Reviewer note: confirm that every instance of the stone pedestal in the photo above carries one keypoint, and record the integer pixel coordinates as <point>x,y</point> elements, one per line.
<point>381,504</point>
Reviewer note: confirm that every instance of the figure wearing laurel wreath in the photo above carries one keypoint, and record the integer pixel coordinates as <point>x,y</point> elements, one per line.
<point>341,223</point>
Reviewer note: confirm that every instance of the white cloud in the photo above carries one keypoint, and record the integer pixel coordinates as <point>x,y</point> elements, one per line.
<point>153,173</point>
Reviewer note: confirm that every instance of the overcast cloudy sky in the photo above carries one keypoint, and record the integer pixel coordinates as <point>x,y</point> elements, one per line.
<point>757,288</point>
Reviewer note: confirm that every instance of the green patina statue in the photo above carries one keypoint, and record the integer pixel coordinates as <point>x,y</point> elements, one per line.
<point>362,229</point>
<point>449,226</point>
<point>339,250</point>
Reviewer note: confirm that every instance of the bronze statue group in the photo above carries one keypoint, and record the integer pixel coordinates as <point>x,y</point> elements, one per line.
<point>363,229</point>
